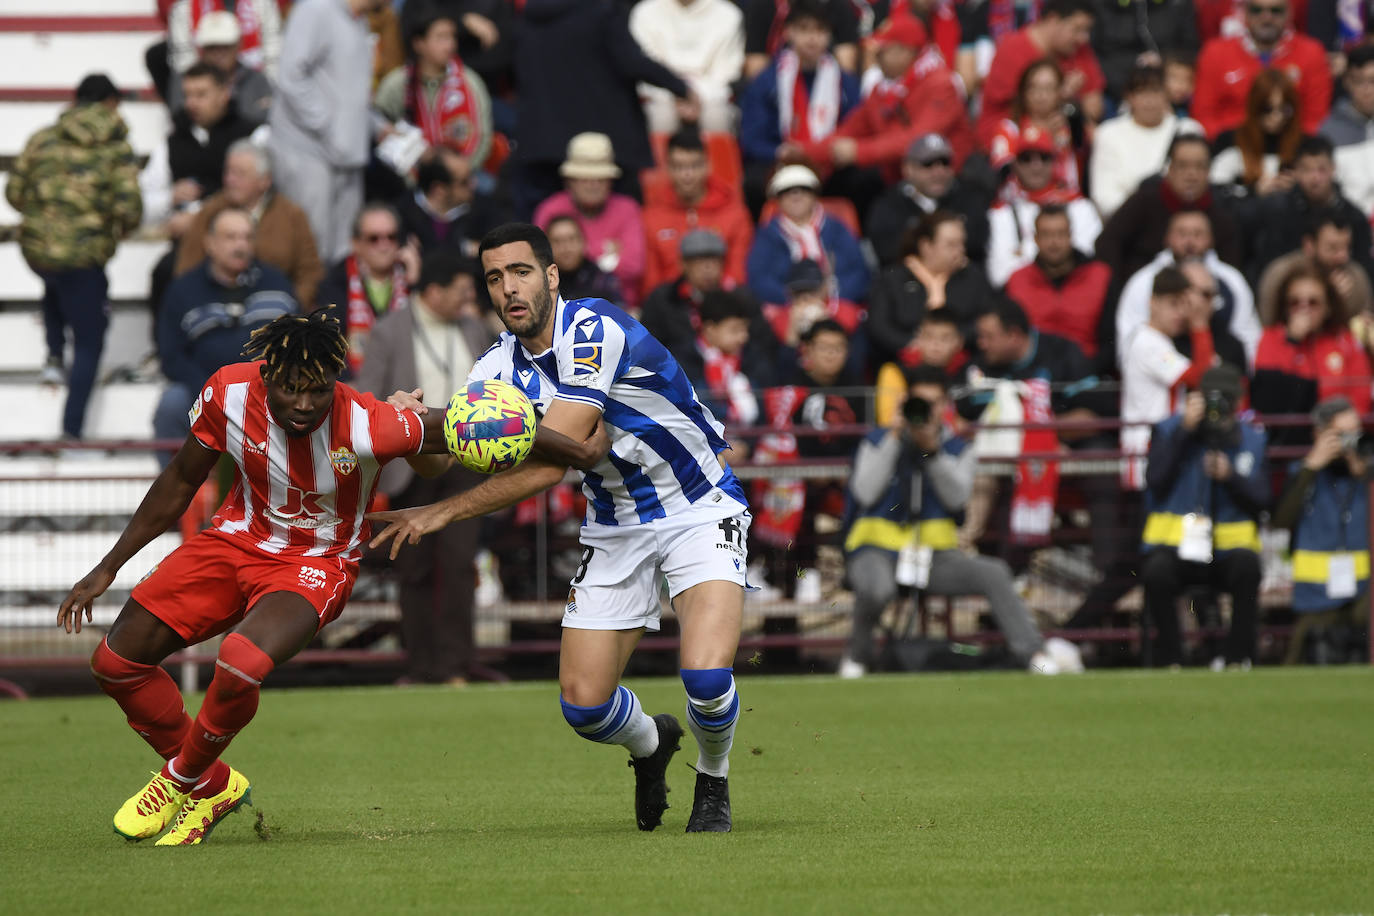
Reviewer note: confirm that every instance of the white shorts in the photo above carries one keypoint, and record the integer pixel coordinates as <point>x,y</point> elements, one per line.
<point>618,585</point>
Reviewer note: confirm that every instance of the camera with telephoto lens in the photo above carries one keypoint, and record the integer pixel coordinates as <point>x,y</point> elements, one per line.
<point>916,411</point>
<point>1218,420</point>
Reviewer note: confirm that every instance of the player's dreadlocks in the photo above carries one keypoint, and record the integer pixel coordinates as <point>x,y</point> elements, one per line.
<point>310,344</point>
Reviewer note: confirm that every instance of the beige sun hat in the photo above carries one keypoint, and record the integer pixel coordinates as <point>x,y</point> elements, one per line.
<point>590,155</point>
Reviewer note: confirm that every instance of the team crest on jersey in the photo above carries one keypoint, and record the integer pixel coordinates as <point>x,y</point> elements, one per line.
<point>344,460</point>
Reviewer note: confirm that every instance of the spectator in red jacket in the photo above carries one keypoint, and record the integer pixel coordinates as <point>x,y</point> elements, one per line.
<point>1309,354</point>
<point>1227,66</point>
<point>1061,33</point>
<point>917,95</point>
<point>1063,289</point>
<point>696,199</point>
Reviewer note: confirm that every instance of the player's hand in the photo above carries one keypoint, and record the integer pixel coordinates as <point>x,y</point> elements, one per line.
<point>599,442</point>
<point>1193,410</point>
<point>409,400</point>
<point>407,526</point>
<point>81,596</point>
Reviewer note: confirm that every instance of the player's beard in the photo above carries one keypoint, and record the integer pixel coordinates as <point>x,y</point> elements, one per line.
<point>537,314</point>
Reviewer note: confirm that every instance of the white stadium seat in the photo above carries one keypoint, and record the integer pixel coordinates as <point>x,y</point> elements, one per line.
<point>116,411</point>
<point>41,60</point>
<point>53,561</point>
<point>129,272</point>
<point>23,347</point>
<point>148,123</point>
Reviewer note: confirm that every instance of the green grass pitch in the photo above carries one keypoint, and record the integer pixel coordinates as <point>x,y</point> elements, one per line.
<point>1001,793</point>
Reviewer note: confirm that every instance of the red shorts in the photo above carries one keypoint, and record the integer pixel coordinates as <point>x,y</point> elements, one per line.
<point>210,582</point>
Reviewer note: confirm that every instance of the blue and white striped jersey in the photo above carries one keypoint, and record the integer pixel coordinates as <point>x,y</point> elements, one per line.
<point>664,442</point>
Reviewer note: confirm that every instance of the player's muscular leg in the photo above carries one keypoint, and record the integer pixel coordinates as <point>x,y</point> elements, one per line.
<point>141,637</point>
<point>280,624</point>
<point>710,614</point>
<point>591,661</point>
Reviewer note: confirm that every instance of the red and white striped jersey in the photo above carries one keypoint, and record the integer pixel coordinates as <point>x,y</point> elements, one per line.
<point>307,495</point>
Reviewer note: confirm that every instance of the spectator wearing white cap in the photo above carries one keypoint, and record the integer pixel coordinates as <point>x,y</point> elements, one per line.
<point>219,40</point>
<point>802,230</point>
<point>612,223</point>
<point>259,27</point>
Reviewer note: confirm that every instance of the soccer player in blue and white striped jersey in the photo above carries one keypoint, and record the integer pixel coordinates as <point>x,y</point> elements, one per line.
<point>661,505</point>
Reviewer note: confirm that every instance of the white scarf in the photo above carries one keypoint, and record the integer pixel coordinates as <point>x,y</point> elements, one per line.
<point>823,104</point>
<point>804,241</point>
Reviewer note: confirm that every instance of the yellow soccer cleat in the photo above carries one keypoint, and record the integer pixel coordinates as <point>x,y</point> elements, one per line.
<point>200,815</point>
<point>147,813</point>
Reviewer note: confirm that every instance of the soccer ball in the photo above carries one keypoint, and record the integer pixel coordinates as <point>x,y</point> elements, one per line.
<point>489,426</point>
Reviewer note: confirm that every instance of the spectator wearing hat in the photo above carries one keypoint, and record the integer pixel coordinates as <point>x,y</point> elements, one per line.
<point>281,237</point>
<point>1063,290</point>
<point>810,300</point>
<point>218,40</point>
<point>578,275</point>
<point>1061,34</point>
<point>1134,145</point>
<point>929,183</point>
<point>918,94</point>
<point>1038,104</point>
<point>612,223</point>
<point>672,310</point>
<point>802,230</point>
<point>799,97</point>
<point>257,33</point>
<point>75,187</point>
<point>701,41</point>
<point>320,120</point>
<point>693,199</point>
<point>1031,185</point>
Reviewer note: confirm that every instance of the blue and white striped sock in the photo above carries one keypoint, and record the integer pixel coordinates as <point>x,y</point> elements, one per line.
<point>712,711</point>
<point>619,720</point>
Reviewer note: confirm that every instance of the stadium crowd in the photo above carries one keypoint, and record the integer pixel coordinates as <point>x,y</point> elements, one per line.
<point>903,216</point>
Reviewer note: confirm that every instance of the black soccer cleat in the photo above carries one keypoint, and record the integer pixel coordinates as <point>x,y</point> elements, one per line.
<point>711,807</point>
<point>651,786</point>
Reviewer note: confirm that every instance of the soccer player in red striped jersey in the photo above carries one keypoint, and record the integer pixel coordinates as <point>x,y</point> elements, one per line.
<point>276,565</point>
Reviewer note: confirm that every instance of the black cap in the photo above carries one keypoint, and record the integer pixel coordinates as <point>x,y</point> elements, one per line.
<point>805,276</point>
<point>96,87</point>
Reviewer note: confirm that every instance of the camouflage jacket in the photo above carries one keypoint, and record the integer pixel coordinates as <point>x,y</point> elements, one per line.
<point>76,187</point>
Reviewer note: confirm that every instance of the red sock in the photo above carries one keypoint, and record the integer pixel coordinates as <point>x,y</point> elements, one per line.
<point>148,696</point>
<point>229,705</point>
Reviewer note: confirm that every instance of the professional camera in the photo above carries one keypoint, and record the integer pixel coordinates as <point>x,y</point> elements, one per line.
<point>916,411</point>
<point>1361,443</point>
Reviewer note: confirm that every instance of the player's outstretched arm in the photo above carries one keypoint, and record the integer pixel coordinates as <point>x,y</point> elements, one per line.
<point>164,503</point>
<point>403,526</point>
<point>433,458</point>
<point>583,455</point>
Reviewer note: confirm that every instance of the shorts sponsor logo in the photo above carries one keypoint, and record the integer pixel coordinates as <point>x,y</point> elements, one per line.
<point>732,537</point>
<point>311,577</point>
<point>344,460</point>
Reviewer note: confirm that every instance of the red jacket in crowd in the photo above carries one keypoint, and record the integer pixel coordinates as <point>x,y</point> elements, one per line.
<point>929,99</point>
<point>1331,361</point>
<point>1070,306</point>
<point>667,220</point>
<point>1013,56</point>
<point>1227,66</point>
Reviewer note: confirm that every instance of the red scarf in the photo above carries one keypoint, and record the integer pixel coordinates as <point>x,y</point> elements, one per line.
<point>805,116</point>
<point>778,504</point>
<point>726,383</point>
<point>1036,481</point>
<point>361,315</point>
<point>250,30</point>
<point>452,120</point>
<point>1056,192</point>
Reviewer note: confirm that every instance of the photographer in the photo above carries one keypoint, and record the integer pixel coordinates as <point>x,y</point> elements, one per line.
<point>1326,506</point>
<point>1206,484</point>
<point>910,481</point>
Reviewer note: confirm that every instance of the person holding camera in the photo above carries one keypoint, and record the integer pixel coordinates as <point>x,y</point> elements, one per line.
<point>1326,506</point>
<point>1206,484</point>
<point>910,482</point>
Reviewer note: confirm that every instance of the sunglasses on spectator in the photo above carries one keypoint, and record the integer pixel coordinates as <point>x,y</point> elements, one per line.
<point>942,161</point>
<point>374,238</point>
<point>1034,156</point>
<point>1309,302</point>
<point>1259,9</point>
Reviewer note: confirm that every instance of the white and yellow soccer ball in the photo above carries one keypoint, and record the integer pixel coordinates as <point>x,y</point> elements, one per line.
<point>489,426</point>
